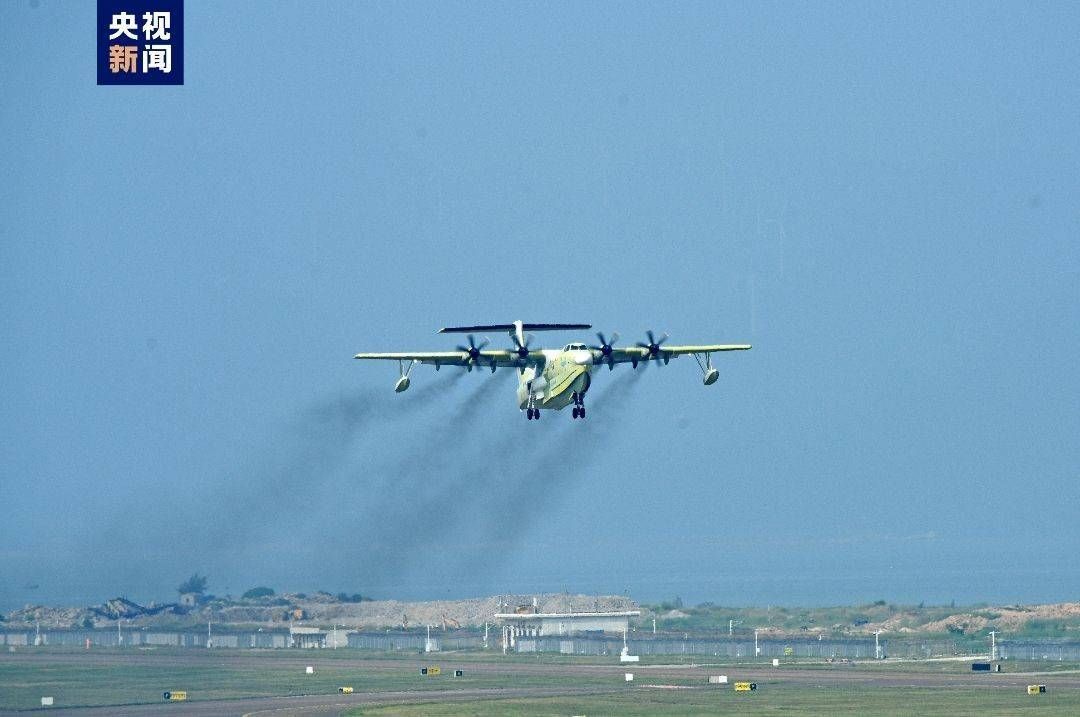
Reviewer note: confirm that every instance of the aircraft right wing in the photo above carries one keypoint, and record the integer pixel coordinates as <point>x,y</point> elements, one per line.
<point>637,354</point>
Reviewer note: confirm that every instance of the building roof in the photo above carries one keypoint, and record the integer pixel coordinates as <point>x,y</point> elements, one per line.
<point>564,615</point>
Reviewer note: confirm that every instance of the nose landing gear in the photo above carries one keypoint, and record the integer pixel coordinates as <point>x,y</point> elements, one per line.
<point>579,406</point>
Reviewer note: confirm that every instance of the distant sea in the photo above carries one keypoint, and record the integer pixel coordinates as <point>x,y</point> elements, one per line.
<point>962,587</point>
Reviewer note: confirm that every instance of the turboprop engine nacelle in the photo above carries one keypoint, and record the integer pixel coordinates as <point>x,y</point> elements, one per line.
<point>402,384</point>
<point>710,377</point>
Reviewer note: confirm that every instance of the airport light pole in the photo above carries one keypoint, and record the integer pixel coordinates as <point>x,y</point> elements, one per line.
<point>757,650</point>
<point>993,644</point>
<point>877,645</point>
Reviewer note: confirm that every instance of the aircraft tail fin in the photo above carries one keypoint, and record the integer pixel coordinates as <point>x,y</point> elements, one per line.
<point>512,327</point>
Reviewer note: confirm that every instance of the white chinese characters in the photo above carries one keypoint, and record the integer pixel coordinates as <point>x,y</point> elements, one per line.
<point>157,57</point>
<point>123,23</point>
<point>155,50</point>
<point>156,25</point>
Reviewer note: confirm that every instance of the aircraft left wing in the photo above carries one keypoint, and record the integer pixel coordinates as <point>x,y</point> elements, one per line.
<point>492,359</point>
<point>702,349</point>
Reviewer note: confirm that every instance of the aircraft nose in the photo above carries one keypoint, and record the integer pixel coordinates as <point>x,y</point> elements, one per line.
<point>583,358</point>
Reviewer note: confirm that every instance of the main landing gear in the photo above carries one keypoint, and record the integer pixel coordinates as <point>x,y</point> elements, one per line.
<point>532,412</point>
<point>579,406</point>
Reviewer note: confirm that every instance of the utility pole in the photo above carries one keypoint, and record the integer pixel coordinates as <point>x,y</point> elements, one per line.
<point>757,650</point>
<point>730,627</point>
<point>485,634</point>
<point>654,626</point>
<point>119,637</point>
<point>877,646</point>
<point>993,644</point>
<point>209,639</point>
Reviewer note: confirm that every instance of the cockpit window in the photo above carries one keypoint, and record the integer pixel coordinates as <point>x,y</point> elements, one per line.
<point>574,347</point>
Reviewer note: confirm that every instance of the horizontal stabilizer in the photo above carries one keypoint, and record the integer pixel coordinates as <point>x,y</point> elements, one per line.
<point>511,327</point>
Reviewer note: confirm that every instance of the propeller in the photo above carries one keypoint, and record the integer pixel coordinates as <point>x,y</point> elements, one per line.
<point>473,351</point>
<point>604,349</point>
<point>653,347</point>
<point>522,350</point>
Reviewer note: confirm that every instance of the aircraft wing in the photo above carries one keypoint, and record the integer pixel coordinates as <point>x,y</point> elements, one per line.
<point>635,354</point>
<point>703,349</point>
<point>486,359</point>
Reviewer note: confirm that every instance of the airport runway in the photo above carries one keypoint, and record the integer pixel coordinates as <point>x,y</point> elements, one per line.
<point>833,675</point>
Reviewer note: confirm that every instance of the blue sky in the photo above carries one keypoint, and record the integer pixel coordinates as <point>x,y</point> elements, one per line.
<point>882,198</point>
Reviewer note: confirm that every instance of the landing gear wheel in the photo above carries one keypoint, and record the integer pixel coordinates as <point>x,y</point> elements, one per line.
<point>528,414</point>
<point>581,412</point>
<point>575,411</point>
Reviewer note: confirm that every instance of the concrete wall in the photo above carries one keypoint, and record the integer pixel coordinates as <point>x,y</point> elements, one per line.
<point>150,638</point>
<point>414,642</point>
<point>738,647</point>
<point>722,647</point>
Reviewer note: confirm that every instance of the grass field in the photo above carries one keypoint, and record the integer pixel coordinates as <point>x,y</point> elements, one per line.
<point>771,700</point>
<point>126,677</point>
<point>92,684</point>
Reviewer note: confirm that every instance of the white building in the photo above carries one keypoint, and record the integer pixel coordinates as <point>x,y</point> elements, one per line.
<point>551,624</point>
<point>307,637</point>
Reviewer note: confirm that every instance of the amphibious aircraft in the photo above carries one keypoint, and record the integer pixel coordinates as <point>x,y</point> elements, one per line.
<point>550,379</point>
